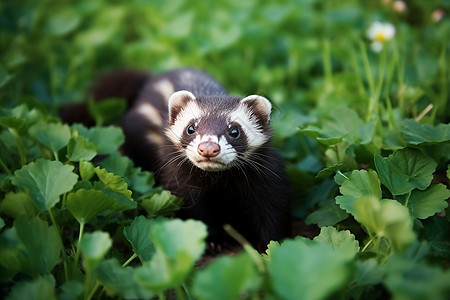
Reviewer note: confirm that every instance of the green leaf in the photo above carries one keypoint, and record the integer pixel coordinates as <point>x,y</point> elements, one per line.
<point>160,204</point>
<point>337,239</point>
<point>141,181</point>
<point>41,288</point>
<point>87,204</point>
<point>87,170</point>
<point>331,170</point>
<point>63,22</point>
<point>178,245</point>
<point>18,205</point>
<point>368,272</point>
<point>395,182</point>
<point>71,290</point>
<point>54,136</point>
<point>424,204</point>
<point>328,214</point>
<point>117,164</point>
<point>322,136</point>
<point>81,149</point>
<point>138,236</point>
<point>417,167</point>
<point>95,245</point>
<point>42,248</point>
<point>46,181</point>
<point>107,139</point>
<point>311,270</point>
<point>227,278</point>
<point>358,132</point>
<point>113,182</point>
<point>408,279</point>
<point>120,281</point>
<point>417,134</point>
<point>386,218</point>
<point>361,183</point>
<point>437,234</point>
<point>11,122</point>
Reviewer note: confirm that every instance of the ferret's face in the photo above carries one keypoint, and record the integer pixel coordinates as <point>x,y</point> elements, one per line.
<point>217,133</point>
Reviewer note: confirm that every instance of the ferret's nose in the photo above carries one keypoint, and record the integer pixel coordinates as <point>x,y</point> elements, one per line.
<point>208,149</point>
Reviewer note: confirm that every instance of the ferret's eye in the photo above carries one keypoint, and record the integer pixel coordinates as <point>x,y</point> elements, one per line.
<point>190,130</point>
<point>234,132</point>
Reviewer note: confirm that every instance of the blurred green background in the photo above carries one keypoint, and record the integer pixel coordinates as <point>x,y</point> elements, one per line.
<point>301,52</point>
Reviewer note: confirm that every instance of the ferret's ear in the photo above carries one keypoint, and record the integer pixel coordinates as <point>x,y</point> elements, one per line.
<point>177,101</point>
<point>260,107</point>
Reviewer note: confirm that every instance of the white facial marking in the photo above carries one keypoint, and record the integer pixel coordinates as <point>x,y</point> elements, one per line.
<point>220,162</point>
<point>190,112</point>
<point>253,131</point>
<point>164,87</point>
<point>150,113</point>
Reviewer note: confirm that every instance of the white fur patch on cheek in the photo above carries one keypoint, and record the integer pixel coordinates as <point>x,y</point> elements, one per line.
<point>191,150</point>
<point>191,112</point>
<point>253,132</point>
<point>227,153</point>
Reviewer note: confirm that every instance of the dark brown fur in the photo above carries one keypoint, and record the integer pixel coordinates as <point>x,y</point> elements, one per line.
<point>253,198</point>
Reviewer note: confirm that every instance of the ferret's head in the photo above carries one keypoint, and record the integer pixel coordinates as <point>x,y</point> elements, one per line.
<point>216,133</point>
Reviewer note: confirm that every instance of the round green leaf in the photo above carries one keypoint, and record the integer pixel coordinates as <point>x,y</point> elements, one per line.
<point>138,236</point>
<point>80,149</point>
<point>54,136</point>
<point>415,166</point>
<point>178,245</point>
<point>42,248</point>
<point>361,183</point>
<point>95,245</point>
<point>119,280</point>
<point>227,278</point>
<point>311,270</point>
<point>86,204</point>
<point>45,180</point>
<point>424,204</point>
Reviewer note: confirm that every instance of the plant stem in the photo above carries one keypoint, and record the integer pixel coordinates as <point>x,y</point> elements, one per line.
<point>20,146</point>
<point>58,233</point>
<point>326,58</point>
<point>5,167</point>
<point>407,199</point>
<point>247,247</point>
<point>94,289</point>
<point>161,296</point>
<point>180,293</point>
<point>367,245</point>
<point>129,260</point>
<point>367,68</point>
<point>80,235</point>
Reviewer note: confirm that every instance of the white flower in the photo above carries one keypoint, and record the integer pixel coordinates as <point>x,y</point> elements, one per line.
<point>380,33</point>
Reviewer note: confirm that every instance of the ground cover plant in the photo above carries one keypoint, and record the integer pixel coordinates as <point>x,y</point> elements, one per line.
<point>361,97</point>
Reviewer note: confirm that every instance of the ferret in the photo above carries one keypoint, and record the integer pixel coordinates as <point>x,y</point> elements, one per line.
<point>205,146</point>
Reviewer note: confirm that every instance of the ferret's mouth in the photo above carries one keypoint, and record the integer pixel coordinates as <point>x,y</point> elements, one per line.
<point>210,165</point>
